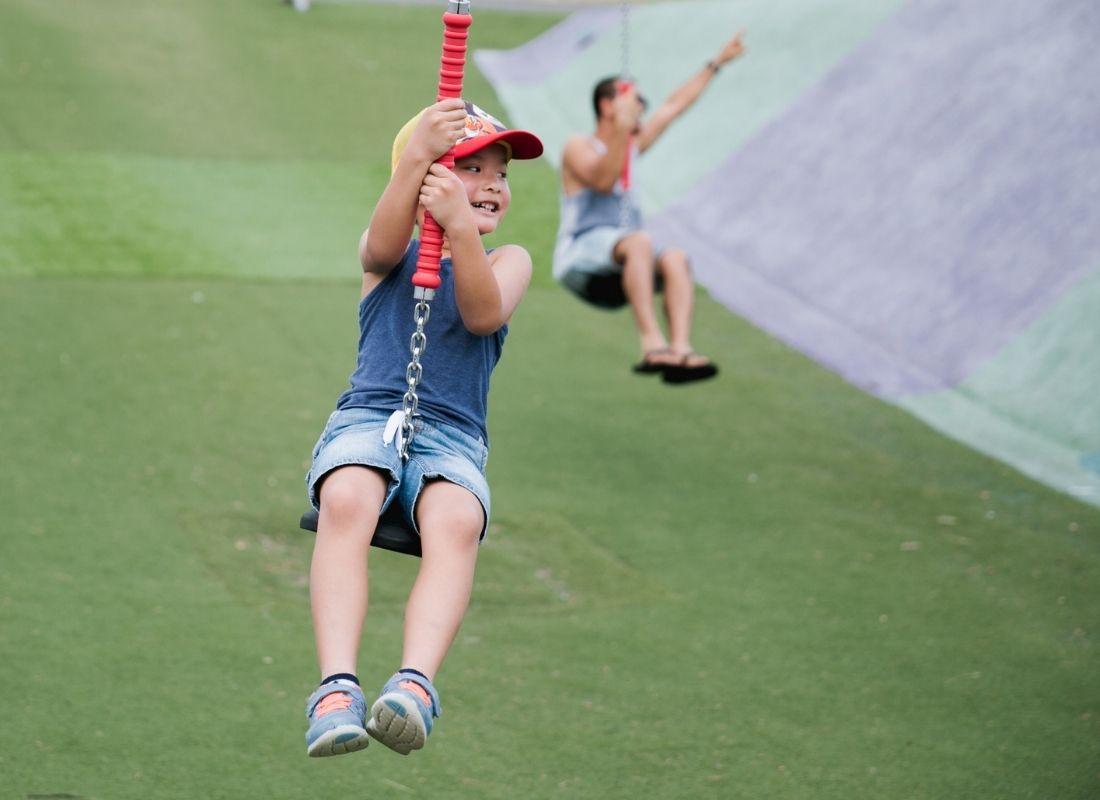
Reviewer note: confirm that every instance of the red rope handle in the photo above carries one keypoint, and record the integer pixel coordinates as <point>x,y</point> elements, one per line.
<point>451,65</point>
<point>625,86</point>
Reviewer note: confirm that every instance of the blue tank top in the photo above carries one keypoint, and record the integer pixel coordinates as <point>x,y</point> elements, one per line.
<point>588,209</point>
<point>457,364</point>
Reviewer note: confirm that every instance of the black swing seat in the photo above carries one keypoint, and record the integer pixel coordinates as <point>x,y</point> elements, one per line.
<point>605,290</point>
<point>392,533</point>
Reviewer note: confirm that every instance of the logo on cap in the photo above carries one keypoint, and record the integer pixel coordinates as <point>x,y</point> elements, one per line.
<point>480,123</point>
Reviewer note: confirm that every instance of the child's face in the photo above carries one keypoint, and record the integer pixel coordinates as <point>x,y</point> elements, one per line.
<point>485,176</point>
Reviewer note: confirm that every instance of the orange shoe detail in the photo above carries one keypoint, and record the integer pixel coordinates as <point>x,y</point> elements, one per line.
<point>337,701</point>
<point>418,690</point>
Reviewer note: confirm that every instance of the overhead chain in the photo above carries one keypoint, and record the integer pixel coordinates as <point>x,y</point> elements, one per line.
<point>625,217</point>
<point>418,343</point>
<point>624,39</point>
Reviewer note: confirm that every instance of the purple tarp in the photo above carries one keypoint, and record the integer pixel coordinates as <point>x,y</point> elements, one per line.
<point>925,202</point>
<point>551,51</point>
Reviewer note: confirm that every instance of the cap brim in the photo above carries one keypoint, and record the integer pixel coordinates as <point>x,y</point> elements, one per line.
<point>524,144</point>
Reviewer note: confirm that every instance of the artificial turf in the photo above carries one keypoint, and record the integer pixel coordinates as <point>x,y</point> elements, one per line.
<point>770,585</point>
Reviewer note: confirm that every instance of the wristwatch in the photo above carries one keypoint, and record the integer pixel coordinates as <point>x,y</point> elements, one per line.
<point>713,67</point>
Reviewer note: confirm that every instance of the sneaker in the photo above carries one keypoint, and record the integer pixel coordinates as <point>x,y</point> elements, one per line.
<point>401,717</point>
<point>336,713</point>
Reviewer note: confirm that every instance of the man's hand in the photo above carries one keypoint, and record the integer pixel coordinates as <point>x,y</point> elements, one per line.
<point>627,110</point>
<point>444,195</point>
<point>732,49</point>
<point>437,131</point>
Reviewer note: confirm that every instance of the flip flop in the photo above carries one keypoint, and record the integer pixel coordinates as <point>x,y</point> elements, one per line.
<point>649,367</point>
<point>683,373</point>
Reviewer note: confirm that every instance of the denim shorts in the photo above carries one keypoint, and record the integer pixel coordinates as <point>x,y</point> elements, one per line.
<point>438,451</point>
<point>591,253</point>
<point>590,269</point>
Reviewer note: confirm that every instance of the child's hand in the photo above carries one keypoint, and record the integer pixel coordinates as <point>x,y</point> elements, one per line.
<point>444,195</point>
<point>439,128</point>
<point>732,49</point>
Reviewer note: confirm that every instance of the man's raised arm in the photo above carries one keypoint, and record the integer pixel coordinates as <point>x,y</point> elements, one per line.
<point>680,100</point>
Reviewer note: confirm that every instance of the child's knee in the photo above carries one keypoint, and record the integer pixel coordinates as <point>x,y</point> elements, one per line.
<point>448,511</point>
<point>461,526</point>
<point>352,494</point>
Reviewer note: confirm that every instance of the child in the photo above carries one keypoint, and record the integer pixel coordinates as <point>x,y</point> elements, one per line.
<point>357,469</point>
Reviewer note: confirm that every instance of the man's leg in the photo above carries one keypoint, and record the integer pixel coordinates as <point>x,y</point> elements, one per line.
<point>679,297</point>
<point>635,253</point>
<point>675,269</point>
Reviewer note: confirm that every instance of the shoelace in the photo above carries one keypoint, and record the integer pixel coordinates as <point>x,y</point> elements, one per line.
<point>418,690</point>
<point>337,701</point>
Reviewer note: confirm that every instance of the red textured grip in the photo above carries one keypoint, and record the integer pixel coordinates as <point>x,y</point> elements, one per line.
<point>624,87</point>
<point>452,62</point>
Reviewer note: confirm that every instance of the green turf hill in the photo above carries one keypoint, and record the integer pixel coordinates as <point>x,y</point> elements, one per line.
<point>213,139</point>
<point>770,586</point>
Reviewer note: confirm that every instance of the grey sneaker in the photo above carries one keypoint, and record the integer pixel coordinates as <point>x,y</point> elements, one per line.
<point>336,713</point>
<point>401,718</point>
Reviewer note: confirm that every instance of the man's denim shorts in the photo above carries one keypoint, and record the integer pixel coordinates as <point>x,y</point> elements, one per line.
<point>591,253</point>
<point>591,270</point>
<point>354,436</point>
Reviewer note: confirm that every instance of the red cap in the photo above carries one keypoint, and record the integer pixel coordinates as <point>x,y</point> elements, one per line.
<point>483,129</point>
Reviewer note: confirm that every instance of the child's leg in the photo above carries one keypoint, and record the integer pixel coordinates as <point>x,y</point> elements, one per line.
<point>450,520</point>
<point>351,498</point>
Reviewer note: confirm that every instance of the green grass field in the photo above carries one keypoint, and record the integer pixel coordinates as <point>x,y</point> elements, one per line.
<point>769,586</point>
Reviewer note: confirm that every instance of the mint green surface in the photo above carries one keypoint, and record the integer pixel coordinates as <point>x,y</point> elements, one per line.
<point>768,586</point>
<point>791,46</point>
<point>1032,405</point>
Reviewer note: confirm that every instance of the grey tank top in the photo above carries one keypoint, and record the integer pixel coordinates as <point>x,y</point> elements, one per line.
<point>457,364</point>
<point>588,209</point>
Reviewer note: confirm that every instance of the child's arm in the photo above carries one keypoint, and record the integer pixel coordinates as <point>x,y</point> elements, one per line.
<point>384,243</point>
<point>680,100</point>
<point>487,287</point>
<point>599,172</point>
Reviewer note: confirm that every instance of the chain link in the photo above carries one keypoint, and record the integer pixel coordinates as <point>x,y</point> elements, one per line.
<point>418,343</point>
<point>624,39</point>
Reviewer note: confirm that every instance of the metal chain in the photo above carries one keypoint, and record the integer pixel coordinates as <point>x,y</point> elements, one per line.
<point>418,343</point>
<point>624,75</point>
<point>624,39</point>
